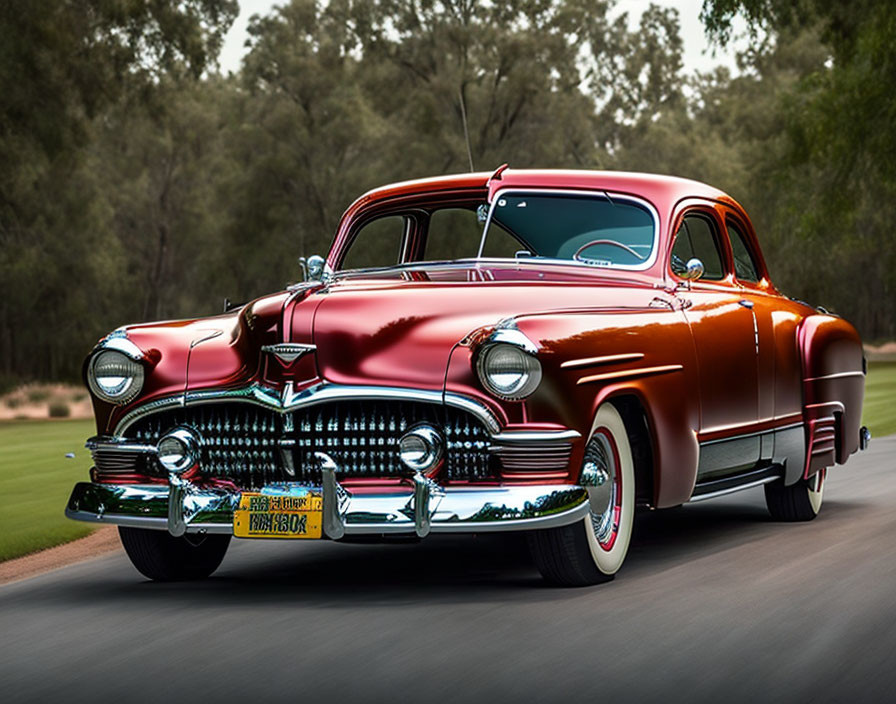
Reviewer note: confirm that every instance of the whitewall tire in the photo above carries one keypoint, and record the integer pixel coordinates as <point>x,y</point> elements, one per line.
<point>797,502</point>
<point>592,550</point>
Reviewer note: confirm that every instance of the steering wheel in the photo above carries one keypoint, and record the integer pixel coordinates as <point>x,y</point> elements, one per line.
<point>577,256</point>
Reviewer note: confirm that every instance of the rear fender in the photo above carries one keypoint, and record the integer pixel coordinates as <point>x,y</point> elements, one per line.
<point>833,373</point>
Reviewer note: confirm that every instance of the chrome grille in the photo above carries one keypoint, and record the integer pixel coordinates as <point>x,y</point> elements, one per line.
<point>112,462</point>
<point>539,457</point>
<point>253,446</point>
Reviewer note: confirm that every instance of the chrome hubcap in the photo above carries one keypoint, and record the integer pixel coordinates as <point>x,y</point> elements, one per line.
<point>604,489</point>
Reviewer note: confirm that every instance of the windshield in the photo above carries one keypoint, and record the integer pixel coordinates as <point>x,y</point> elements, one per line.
<point>595,229</point>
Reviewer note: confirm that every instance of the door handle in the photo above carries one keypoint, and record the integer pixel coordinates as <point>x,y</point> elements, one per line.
<point>745,303</point>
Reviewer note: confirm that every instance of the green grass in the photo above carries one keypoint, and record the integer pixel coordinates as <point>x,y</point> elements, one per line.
<point>36,480</point>
<point>879,412</point>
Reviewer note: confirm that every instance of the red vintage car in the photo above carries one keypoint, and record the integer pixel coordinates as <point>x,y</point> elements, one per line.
<point>545,351</point>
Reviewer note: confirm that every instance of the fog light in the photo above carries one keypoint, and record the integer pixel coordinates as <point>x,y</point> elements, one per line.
<point>178,450</point>
<point>420,449</point>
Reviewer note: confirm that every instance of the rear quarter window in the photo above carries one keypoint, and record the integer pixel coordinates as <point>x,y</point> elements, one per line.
<point>746,267</point>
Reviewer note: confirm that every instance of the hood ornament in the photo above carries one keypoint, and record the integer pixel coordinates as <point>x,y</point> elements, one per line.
<point>288,352</point>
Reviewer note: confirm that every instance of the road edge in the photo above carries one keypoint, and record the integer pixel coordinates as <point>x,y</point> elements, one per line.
<point>101,542</point>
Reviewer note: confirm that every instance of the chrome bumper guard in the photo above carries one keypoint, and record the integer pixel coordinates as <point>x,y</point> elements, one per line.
<point>426,507</point>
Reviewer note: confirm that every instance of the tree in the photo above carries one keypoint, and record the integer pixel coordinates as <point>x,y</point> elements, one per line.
<point>837,165</point>
<point>62,64</point>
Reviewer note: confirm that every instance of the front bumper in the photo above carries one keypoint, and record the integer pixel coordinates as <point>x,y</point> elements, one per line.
<point>425,507</point>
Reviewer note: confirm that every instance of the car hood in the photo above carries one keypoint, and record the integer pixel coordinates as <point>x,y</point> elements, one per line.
<point>394,327</point>
<point>399,326</point>
<point>221,350</point>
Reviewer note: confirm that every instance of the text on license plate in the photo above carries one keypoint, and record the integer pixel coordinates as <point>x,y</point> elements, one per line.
<point>295,515</point>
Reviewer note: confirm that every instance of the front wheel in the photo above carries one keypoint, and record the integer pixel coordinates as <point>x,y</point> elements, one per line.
<point>161,557</point>
<point>592,550</point>
<point>797,502</point>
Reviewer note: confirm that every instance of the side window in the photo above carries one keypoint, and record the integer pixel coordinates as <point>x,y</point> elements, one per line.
<point>697,238</point>
<point>377,243</point>
<point>455,233</point>
<point>745,267</point>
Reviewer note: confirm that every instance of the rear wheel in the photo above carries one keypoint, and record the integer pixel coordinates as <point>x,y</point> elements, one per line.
<point>592,550</point>
<point>160,556</point>
<point>797,502</point>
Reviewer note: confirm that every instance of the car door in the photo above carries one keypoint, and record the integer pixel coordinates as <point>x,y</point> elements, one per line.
<point>778,363</point>
<point>723,328</point>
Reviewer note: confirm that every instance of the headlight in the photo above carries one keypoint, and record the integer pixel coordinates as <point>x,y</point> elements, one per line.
<point>115,377</point>
<point>508,372</point>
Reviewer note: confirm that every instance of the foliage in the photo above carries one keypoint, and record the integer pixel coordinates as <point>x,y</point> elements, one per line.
<point>139,184</point>
<point>63,64</point>
<point>58,408</point>
<point>834,169</point>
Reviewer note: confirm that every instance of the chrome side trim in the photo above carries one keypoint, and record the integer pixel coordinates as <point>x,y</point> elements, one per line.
<point>631,373</point>
<point>290,399</point>
<point>606,359</point>
<point>208,334</point>
<point>775,429</point>
<point>733,489</point>
<point>841,375</point>
<point>447,510</point>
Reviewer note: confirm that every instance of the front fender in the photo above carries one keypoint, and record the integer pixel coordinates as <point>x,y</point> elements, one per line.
<point>589,358</point>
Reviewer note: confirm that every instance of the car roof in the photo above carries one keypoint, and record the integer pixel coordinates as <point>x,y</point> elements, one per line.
<point>664,193</point>
<point>663,190</point>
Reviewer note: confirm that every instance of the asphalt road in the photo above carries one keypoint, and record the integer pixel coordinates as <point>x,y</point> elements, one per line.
<point>715,602</point>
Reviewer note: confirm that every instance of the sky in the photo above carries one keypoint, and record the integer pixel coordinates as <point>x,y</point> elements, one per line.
<point>698,55</point>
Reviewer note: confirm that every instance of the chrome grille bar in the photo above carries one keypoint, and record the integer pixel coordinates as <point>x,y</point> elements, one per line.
<point>253,446</point>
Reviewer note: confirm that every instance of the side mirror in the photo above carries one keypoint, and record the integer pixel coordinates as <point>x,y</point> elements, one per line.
<point>317,264</point>
<point>694,270</point>
<point>313,267</point>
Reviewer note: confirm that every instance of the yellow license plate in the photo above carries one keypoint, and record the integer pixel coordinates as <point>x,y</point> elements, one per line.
<point>292,515</point>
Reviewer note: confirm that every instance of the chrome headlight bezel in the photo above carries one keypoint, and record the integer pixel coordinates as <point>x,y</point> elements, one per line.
<point>132,376</point>
<point>530,372</point>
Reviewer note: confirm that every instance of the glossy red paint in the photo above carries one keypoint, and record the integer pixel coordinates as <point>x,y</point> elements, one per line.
<point>702,362</point>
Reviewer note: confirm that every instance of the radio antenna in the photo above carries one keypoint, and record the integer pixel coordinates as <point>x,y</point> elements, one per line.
<point>463,117</point>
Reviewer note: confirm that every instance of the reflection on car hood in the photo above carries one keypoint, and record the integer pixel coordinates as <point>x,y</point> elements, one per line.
<point>398,326</point>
